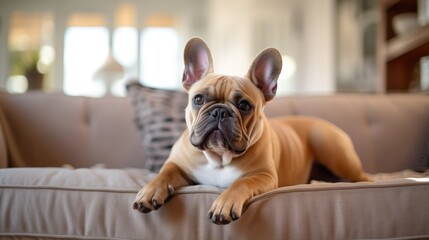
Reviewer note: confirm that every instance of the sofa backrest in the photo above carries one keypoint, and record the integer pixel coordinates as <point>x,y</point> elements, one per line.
<point>54,129</point>
<point>390,132</point>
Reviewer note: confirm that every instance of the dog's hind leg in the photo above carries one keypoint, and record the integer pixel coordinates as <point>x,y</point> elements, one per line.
<point>334,149</point>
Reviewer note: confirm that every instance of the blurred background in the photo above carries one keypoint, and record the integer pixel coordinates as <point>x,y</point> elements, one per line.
<point>92,47</point>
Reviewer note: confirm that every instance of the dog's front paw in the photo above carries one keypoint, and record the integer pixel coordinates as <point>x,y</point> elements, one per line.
<point>226,208</point>
<point>152,196</point>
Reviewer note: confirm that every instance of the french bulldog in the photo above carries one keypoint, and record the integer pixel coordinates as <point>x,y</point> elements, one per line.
<point>230,143</point>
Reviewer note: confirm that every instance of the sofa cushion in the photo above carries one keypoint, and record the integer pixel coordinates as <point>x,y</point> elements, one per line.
<point>160,118</point>
<point>97,203</point>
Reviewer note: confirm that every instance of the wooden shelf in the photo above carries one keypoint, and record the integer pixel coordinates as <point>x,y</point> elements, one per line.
<point>399,55</point>
<point>401,45</point>
<point>390,3</point>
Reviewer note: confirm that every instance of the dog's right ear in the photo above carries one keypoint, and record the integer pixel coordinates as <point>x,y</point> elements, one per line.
<point>198,62</point>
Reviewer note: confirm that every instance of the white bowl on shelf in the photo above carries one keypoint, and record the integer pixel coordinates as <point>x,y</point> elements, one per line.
<point>405,23</point>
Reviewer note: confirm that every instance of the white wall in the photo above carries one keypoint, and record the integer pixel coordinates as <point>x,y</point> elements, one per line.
<point>318,75</point>
<point>301,29</point>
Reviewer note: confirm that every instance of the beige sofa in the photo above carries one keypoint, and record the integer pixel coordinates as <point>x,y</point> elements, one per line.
<point>49,142</point>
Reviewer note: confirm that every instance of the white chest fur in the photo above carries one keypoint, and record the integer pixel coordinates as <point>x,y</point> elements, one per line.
<point>208,174</point>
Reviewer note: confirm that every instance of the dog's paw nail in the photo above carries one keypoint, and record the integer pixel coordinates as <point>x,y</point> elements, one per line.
<point>218,219</point>
<point>146,210</point>
<point>155,204</point>
<point>234,216</point>
<point>214,218</point>
<point>135,205</point>
<point>222,220</point>
<point>143,209</point>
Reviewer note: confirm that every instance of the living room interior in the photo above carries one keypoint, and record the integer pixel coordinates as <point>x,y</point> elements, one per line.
<point>89,87</point>
<point>328,46</point>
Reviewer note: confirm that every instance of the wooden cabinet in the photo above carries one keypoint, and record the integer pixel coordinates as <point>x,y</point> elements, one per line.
<point>399,55</point>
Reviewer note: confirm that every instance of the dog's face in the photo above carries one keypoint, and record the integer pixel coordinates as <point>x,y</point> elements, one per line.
<point>224,113</point>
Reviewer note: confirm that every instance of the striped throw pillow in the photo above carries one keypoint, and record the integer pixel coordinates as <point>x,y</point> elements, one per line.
<point>160,119</point>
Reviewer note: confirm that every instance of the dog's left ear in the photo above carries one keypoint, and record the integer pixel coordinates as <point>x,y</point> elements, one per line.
<point>198,62</point>
<point>265,71</point>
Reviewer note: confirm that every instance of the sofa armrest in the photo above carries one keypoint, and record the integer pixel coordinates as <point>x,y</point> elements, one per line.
<point>3,148</point>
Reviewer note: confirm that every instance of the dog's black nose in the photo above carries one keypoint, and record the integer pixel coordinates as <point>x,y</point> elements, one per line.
<point>220,113</point>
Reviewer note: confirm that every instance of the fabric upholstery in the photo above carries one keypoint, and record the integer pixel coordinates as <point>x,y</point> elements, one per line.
<point>43,131</point>
<point>160,119</point>
<point>389,132</point>
<point>3,148</point>
<point>97,203</point>
<point>103,130</point>
<point>54,129</point>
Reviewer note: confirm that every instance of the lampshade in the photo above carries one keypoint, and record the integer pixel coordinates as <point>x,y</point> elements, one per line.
<point>109,72</point>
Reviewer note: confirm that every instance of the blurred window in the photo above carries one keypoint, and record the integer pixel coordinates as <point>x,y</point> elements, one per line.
<point>85,49</point>
<point>101,49</point>
<point>97,62</point>
<point>159,54</point>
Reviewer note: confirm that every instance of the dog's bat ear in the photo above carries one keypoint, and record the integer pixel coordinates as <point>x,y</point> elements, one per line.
<point>265,71</point>
<point>198,62</point>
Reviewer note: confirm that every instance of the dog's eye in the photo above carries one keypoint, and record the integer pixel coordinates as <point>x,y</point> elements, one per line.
<point>244,106</point>
<point>198,99</point>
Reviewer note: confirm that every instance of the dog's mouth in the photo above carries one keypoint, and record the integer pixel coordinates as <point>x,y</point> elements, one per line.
<point>218,134</point>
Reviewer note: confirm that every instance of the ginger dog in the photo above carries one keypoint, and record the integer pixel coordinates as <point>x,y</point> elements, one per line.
<point>230,143</point>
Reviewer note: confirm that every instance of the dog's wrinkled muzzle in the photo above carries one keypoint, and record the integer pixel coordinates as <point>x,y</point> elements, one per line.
<point>218,129</point>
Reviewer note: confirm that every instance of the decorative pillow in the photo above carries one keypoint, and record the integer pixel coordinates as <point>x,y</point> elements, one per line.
<point>160,119</point>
